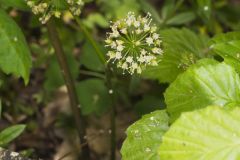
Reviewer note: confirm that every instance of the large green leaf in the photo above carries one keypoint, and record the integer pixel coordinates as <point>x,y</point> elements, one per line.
<point>228,46</point>
<point>14,53</point>
<point>207,83</point>
<point>93,96</point>
<point>10,134</point>
<point>182,48</point>
<point>144,137</point>
<point>212,133</point>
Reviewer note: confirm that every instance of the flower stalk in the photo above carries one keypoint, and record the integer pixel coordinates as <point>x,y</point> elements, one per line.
<point>108,74</point>
<point>74,103</point>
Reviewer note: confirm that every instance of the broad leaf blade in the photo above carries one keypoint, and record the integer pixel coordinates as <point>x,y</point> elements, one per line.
<point>181,18</point>
<point>182,48</point>
<point>144,137</point>
<point>14,53</point>
<point>93,96</point>
<point>211,133</point>
<point>228,46</point>
<point>10,134</point>
<point>208,83</point>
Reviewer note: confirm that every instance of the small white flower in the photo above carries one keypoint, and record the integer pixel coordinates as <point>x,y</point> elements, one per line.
<point>155,36</point>
<point>120,48</point>
<point>149,41</point>
<point>134,43</point>
<point>157,50</point>
<point>48,8</point>
<point>113,45</point>
<point>143,52</point>
<point>111,55</point>
<point>124,66</point>
<point>118,55</point>
<point>129,59</point>
<point>146,27</point>
<point>136,24</point>
<point>139,31</point>
<point>124,30</point>
<point>115,33</point>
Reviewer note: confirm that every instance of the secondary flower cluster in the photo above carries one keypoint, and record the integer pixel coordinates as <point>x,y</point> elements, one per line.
<point>134,43</point>
<point>48,8</point>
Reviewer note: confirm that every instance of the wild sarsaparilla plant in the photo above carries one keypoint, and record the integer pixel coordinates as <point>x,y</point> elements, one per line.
<point>201,118</point>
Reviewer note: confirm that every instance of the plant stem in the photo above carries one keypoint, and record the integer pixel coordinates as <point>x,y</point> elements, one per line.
<point>91,40</point>
<point>79,118</point>
<point>95,74</point>
<point>113,111</point>
<point>108,73</point>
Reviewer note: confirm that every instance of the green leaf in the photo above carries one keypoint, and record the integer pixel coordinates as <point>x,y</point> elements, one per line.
<point>211,133</point>
<point>207,83</point>
<point>96,19</point>
<point>93,96</point>
<point>90,59</point>
<point>126,6</point>
<point>204,9</point>
<point>0,108</point>
<point>19,4</point>
<point>182,48</point>
<point>147,7</point>
<point>14,53</point>
<point>10,134</point>
<point>54,77</point>
<point>181,18</point>
<point>148,104</point>
<point>144,137</point>
<point>228,46</point>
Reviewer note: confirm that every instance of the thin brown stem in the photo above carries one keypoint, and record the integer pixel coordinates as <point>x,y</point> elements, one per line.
<point>74,103</point>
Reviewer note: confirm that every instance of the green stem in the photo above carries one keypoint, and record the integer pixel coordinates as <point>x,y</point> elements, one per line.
<point>112,93</point>
<point>91,40</point>
<point>79,118</point>
<point>108,83</point>
<point>89,73</point>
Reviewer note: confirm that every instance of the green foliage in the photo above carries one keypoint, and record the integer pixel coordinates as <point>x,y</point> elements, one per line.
<point>90,59</point>
<point>0,108</point>
<point>181,18</point>
<point>10,134</point>
<point>144,137</point>
<point>14,53</point>
<point>93,96</point>
<point>186,130</point>
<point>19,4</point>
<point>148,104</point>
<point>182,48</point>
<point>119,8</point>
<point>147,7</point>
<point>207,83</point>
<point>95,19</point>
<point>212,133</point>
<point>205,9</point>
<point>228,46</point>
<point>54,78</point>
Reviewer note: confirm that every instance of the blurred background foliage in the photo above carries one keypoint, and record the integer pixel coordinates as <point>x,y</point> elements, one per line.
<point>43,104</point>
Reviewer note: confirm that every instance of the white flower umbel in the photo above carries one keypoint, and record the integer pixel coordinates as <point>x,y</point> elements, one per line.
<point>48,8</point>
<point>133,43</point>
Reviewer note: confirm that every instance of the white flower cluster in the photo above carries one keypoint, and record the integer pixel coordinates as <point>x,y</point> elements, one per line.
<point>134,43</point>
<point>47,8</point>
